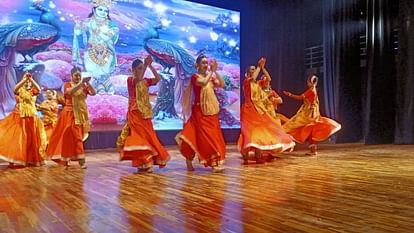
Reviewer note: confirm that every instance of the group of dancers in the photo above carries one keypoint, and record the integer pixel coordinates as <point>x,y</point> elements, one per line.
<point>29,141</point>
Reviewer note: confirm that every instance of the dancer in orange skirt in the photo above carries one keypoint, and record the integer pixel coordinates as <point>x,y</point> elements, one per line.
<point>49,108</point>
<point>273,99</point>
<point>308,124</point>
<point>261,133</point>
<point>23,138</point>
<point>72,127</point>
<point>138,141</point>
<point>201,134</point>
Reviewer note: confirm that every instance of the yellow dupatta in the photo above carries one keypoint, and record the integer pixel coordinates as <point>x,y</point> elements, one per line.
<point>27,106</point>
<point>307,113</point>
<point>187,102</point>
<point>49,115</point>
<point>80,111</point>
<point>258,97</point>
<point>208,100</point>
<point>143,102</point>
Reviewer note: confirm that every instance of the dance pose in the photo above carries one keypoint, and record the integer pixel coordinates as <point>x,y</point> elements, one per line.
<point>72,127</point>
<point>261,132</point>
<point>201,134</point>
<point>307,123</point>
<point>49,108</point>
<point>138,141</point>
<point>23,138</point>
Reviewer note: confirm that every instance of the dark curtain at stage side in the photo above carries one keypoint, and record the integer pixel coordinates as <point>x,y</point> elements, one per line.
<point>276,30</point>
<point>381,74</point>
<point>342,72</point>
<point>404,132</point>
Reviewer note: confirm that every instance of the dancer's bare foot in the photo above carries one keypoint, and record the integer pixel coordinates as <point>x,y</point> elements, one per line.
<point>82,164</point>
<point>145,170</point>
<point>189,164</point>
<point>313,150</point>
<point>217,168</point>
<point>258,157</point>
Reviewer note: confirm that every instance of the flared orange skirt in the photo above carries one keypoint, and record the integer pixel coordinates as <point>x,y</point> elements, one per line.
<point>141,144</point>
<point>202,136</point>
<point>23,140</point>
<point>49,129</point>
<point>318,130</point>
<point>66,140</point>
<point>261,132</point>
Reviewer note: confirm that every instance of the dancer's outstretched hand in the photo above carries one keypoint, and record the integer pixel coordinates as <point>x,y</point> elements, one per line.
<point>287,93</point>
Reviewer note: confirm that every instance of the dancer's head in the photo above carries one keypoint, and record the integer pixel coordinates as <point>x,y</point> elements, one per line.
<point>137,68</point>
<point>202,63</point>
<point>50,94</point>
<point>75,73</point>
<point>312,80</point>
<point>250,70</point>
<point>27,84</point>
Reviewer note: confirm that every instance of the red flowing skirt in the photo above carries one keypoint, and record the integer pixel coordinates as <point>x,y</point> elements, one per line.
<point>318,130</point>
<point>142,145</point>
<point>202,136</point>
<point>66,140</point>
<point>261,132</point>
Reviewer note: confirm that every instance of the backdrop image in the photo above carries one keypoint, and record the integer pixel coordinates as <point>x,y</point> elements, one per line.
<point>103,37</point>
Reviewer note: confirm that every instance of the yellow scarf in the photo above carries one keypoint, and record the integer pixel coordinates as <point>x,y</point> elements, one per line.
<point>49,116</point>
<point>208,100</point>
<point>80,111</point>
<point>187,102</point>
<point>258,97</point>
<point>27,106</point>
<point>143,102</point>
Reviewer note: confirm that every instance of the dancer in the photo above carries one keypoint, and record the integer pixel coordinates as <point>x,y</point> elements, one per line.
<point>201,134</point>
<point>138,141</point>
<point>49,108</point>
<point>261,133</point>
<point>23,138</point>
<point>307,123</point>
<point>72,127</point>
<point>273,98</point>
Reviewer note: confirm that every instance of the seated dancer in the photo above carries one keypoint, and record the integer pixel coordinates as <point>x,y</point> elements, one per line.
<point>138,141</point>
<point>307,123</point>
<point>23,137</point>
<point>49,108</point>
<point>261,132</point>
<point>72,127</point>
<point>201,135</point>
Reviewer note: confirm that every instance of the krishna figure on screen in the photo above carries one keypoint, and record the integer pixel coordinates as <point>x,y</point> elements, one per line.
<point>99,35</point>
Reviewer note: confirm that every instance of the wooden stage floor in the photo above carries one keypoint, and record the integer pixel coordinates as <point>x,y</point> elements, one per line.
<point>346,188</point>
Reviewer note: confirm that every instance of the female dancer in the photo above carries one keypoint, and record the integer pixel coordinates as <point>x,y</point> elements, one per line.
<point>138,141</point>
<point>273,98</point>
<point>23,127</point>
<point>261,133</point>
<point>201,134</point>
<point>49,108</point>
<point>308,124</point>
<point>72,127</point>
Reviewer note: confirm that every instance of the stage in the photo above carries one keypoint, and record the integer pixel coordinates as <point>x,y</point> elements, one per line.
<point>103,136</point>
<point>346,188</point>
